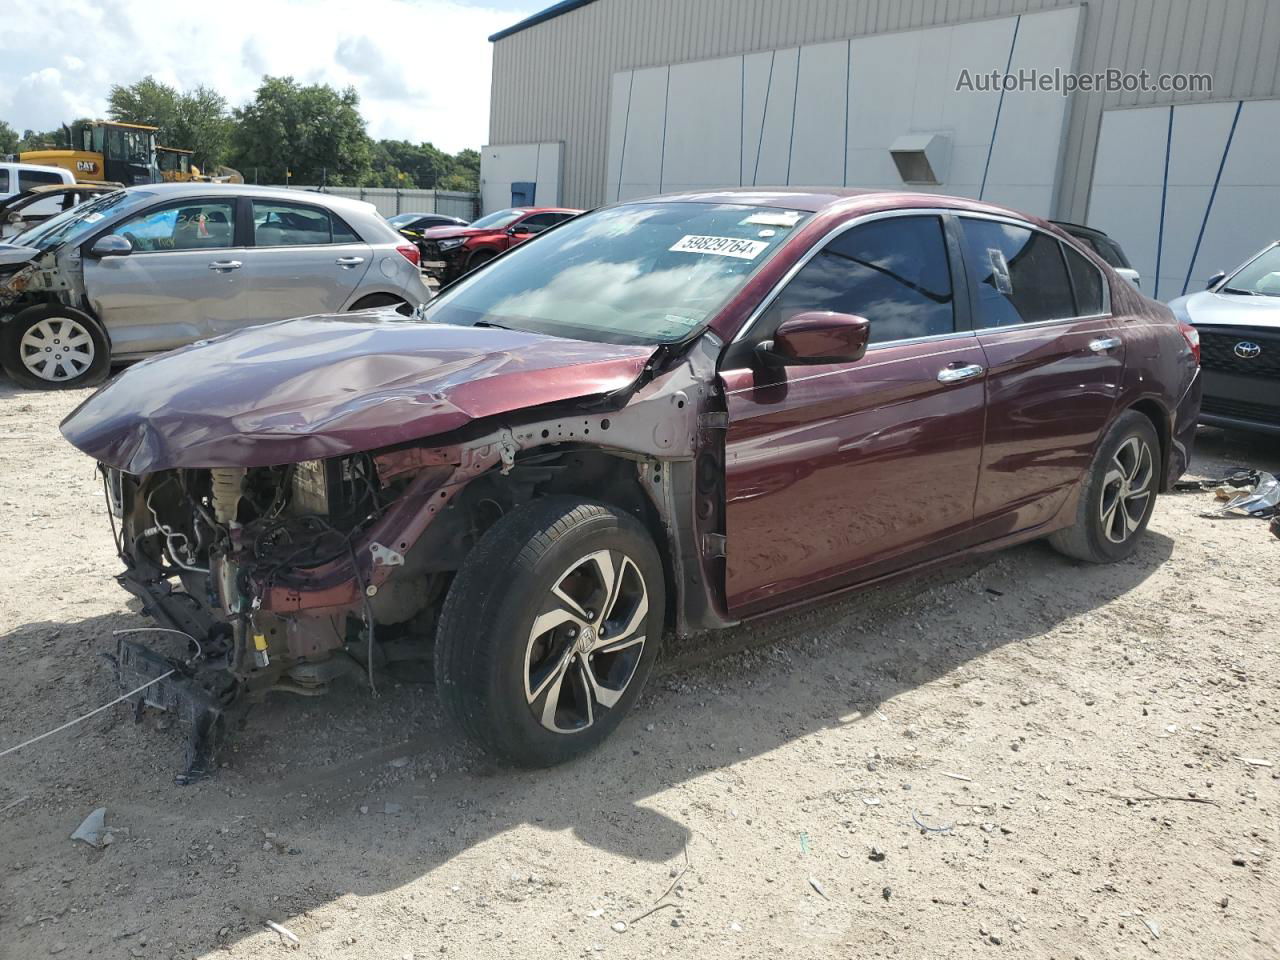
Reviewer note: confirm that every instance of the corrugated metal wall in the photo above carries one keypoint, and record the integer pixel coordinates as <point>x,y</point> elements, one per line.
<point>551,81</point>
<point>391,201</point>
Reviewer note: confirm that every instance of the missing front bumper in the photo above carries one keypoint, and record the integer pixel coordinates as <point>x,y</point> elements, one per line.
<point>200,714</point>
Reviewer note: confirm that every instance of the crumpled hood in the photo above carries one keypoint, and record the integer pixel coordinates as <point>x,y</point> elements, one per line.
<point>10,253</point>
<point>1207,308</point>
<point>325,386</point>
<point>444,233</point>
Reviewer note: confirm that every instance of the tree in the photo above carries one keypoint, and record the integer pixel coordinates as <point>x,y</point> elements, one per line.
<point>314,132</point>
<point>196,120</point>
<point>8,139</point>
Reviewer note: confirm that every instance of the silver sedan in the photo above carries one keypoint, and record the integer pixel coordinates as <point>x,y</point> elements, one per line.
<point>149,268</point>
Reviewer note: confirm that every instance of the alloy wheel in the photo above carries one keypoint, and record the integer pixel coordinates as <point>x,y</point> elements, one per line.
<point>586,641</point>
<point>57,349</point>
<point>1126,490</point>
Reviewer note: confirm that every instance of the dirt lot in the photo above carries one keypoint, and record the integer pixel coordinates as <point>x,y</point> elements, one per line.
<point>937,771</point>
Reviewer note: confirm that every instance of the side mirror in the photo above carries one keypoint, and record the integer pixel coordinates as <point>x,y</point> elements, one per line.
<point>818,337</point>
<point>1216,279</point>
<point>520,230</point>
<point>112,245</point>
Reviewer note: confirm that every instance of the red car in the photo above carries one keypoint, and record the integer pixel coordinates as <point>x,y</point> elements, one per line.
<point>665,416</point>
<point>449,252</point>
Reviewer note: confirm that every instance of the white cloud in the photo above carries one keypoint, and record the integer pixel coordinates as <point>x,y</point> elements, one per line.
<point>421,66</point>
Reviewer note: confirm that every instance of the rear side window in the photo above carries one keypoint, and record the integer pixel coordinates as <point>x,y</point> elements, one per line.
<point>893,272</point>
<point>1020,274</point>
<point>36,178</point>
<point>1086,281</point>
<point>4,181</point>
<point>277,224</point>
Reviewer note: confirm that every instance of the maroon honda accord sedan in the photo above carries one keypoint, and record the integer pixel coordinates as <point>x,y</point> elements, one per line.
<point>665,416</point>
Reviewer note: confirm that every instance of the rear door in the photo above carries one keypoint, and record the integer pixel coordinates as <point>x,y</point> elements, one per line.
<point>839,473</point>
<point>1055,357</point>
<point>303,260</point>
<point>181,282</point>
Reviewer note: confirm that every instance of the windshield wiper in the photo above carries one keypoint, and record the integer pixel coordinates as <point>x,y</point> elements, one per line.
<point>490,323</point>
<point>1246,293</point>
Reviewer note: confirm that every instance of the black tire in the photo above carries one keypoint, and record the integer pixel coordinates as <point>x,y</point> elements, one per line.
<point>496,677</point>
<point>479,259</point>
<point>1118,496</point>
<point>82,362</point>
<point>375,300</point>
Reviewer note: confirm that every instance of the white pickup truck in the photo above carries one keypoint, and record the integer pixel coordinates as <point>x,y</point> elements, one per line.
<point>17,177</point>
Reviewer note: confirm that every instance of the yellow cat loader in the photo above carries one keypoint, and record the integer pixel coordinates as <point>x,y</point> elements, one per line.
<point>104,151</point>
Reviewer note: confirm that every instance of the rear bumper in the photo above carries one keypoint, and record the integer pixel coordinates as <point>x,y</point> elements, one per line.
<point>1183,432</point>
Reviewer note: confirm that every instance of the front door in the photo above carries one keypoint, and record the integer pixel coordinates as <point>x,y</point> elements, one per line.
<point>180,282</point>
<point>839,473</point>
<point>1054,356</point>
<point>304,260</point>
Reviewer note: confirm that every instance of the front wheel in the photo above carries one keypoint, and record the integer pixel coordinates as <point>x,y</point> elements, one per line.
<point>1118,496</point>
<point>54,347</point>
<point>550,630</point>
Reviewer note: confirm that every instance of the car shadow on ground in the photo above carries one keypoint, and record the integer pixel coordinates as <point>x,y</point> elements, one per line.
<point>387,780</point>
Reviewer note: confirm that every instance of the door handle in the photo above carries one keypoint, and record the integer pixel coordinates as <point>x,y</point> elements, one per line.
<point>956,374</point>
<point>349,261</point>
<point>1103,344</point>
<point>226,265</point>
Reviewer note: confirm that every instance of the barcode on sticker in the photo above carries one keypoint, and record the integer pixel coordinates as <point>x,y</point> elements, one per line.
<point>721,246</point>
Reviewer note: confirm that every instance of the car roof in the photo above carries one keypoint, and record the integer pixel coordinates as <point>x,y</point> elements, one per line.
<point>819,199</point>
<point>546,210</point>
<point>180,190</point>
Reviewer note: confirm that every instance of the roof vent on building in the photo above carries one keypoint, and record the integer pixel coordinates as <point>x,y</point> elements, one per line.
<point>921,157</point>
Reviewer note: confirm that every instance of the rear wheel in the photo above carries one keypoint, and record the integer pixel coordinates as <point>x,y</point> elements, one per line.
<point>54,347</point>
<point>550,630</point>
<point>1118,496</point>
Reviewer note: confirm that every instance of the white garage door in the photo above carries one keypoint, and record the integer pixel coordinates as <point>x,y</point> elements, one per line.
<point>1188,190</point>
<point>826,114</point>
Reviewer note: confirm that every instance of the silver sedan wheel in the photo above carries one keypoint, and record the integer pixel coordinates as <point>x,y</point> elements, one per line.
<point>586,641</point>
<point>1126,490</point>
<point>57,349</point>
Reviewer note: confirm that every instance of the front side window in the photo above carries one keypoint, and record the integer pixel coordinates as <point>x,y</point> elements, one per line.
<point>277,224</point>
<point>637,273</point>
<point>4,181</point>
<point>189,225</point>
<point>540,221</point>
<point>893,272</point>
<point>1019,273</point>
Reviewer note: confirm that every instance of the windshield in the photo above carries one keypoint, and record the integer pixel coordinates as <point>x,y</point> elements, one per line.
<point>72,225</point>
<point>1259,277</point>
<point>639,273</point>
<point>498,219</point>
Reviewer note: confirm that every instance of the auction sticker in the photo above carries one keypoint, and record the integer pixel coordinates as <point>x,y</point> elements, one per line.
<point>721,246</point>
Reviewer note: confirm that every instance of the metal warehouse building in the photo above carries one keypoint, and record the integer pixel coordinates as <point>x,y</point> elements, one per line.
<point>599,100</point>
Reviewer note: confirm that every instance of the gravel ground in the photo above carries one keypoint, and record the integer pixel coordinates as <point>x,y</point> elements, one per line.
<point>1023,757</point>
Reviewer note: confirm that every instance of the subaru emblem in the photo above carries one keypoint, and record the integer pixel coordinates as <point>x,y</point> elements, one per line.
<point>1247,350</point>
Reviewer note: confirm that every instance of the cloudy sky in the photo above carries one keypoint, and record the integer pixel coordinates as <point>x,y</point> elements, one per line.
<point>421,66</point>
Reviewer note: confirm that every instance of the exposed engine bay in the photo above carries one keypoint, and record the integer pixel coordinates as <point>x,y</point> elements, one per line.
<point>289,578</point>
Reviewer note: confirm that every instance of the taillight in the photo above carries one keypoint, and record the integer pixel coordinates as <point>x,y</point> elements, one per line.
<point>1192,336</point>
<point>410,253</point>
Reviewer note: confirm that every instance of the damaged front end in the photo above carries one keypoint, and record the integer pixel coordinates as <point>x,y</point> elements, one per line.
<point>290,576</point>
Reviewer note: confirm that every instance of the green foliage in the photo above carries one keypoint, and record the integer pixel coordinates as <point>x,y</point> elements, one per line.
<point>8,139</point>
<point>313,132</point>
<point>196,120</point>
